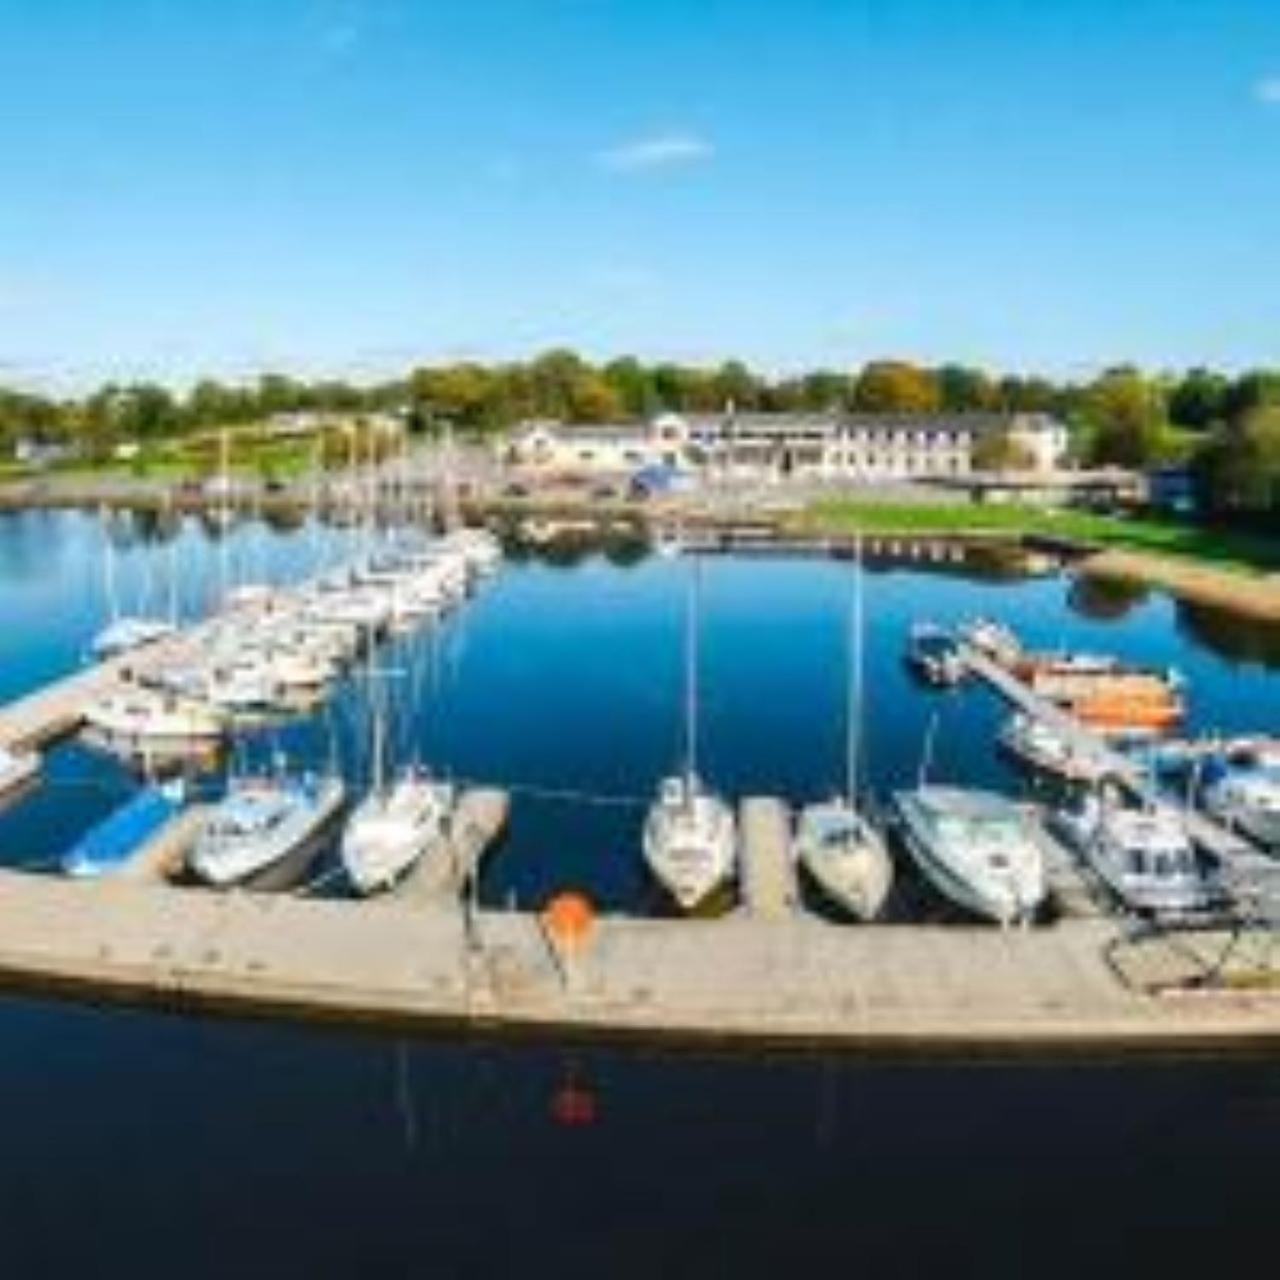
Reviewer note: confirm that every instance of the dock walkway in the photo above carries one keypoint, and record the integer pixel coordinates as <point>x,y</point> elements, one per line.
<point>1251,874</point>
<point>926,988</point>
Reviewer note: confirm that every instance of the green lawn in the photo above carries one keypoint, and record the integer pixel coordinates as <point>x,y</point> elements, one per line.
<point>1227,548</point>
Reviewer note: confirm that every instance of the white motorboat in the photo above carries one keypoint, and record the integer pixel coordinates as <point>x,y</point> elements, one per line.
<point>265,831</point>
<point>18,768</point>
<point>690,835</point>
<point>1144,855</point>
<point>842,851</point>
<point>690,841</point>
<point>141,715</point>
<point>1242,789</point>
<point>979,849</point>
<point>393,827</point>
<point>1035,742</point>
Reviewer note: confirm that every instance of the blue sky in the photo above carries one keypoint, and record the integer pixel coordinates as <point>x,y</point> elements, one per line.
<point>349,187</point>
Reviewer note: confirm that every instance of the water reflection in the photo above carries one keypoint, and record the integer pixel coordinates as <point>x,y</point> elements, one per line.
<point>1106,599</point>
<point>1231,635</point>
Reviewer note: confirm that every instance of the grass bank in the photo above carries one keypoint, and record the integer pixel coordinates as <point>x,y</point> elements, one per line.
<point>1232,550</point>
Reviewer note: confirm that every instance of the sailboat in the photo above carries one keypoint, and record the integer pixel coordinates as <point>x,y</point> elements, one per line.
<point>690,835</point>
<point>841,850</point>
<point>124,632</point>
<point>400,819</point>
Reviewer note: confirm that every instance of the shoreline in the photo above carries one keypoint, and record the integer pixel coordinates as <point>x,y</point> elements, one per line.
<point>1249,594</point>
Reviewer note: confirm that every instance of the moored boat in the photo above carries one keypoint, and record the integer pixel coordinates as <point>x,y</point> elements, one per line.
<point>108,847</point>
<point>933,654</point>
<point>1144,855</point>
<point>1241,788</point>
<point>265,831</point>
<point>979,849</point>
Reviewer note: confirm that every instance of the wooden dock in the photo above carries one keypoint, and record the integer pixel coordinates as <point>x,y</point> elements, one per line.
<point>738,980</point>
<point>769,890</point>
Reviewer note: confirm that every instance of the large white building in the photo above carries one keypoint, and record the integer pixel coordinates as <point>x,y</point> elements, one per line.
<point>829,446</point>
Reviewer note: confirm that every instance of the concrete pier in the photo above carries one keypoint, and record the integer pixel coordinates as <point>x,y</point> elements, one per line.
<point>163,857</point>
<point>444,870</point>
<point>769,889</point>
<point>737,980</point>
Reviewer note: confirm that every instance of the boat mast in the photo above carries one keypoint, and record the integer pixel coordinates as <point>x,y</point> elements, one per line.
<point>853,709</point>
<point>691,674</point>
<point>224,533</point>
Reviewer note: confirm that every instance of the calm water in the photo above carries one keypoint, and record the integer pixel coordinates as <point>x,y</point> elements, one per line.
<point>161,1143</point>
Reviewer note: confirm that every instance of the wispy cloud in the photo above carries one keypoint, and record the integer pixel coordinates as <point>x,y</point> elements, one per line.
<point>658,151</point>
<point>1267,91</point>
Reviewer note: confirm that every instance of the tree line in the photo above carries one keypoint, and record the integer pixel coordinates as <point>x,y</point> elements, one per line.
<point>1226,426</point>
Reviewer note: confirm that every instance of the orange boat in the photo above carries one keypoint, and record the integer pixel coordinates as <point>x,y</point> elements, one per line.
<point>1120,709</point>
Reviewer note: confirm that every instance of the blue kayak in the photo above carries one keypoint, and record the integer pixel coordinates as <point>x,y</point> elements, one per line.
<point>108,846</point>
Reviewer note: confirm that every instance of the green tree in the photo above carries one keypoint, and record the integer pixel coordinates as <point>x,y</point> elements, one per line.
<point>894,386</point>
<point>965,390</point>
<point>1125,419</point>
<point>1238,473</point>
<point>1199,399</point>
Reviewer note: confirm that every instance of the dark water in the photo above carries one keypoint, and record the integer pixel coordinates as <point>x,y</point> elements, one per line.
<point>145,1145</point>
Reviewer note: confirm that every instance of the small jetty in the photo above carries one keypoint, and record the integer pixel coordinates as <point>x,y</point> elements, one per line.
<point>1247,872</point>
<point>769,890</point>
<point>446,870</point>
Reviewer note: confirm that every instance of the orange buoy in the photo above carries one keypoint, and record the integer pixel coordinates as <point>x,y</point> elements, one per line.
<point>569,918</point>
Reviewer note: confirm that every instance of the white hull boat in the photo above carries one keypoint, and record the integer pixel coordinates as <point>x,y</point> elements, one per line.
<point>1144,856</point>
<point>127,634</point>
<point>690,841</point>
<point>18,769</point>
<point>144,715</point>
<point>845,856</point>
<point>977,848</point>
<point>392,828</point>
<point>265,831</point>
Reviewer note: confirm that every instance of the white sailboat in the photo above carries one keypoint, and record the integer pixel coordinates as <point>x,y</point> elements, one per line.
<point>834,842</point>
<point>401,818</point>
<point>690,834</point>
<point>123,632</point>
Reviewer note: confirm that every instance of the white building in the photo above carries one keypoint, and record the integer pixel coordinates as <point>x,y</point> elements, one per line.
<point>830,446</point>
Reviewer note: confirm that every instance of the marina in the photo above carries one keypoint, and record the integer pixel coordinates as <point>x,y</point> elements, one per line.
<point>788,950</point>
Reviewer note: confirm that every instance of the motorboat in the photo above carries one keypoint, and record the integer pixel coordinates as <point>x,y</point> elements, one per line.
<point>265,831</point>
<point>393,827</point>
<point>18,768</point>
<point>690,841</point>
<point>1241,788</point>
<point>147,714</point>
<point>1143,855</point>
<point>1034,742</point>
<point>109,846</point>
<point>933,654</point>
<point>979,849</point>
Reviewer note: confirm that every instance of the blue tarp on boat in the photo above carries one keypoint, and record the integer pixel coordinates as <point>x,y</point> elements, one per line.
<point>109,845</point>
